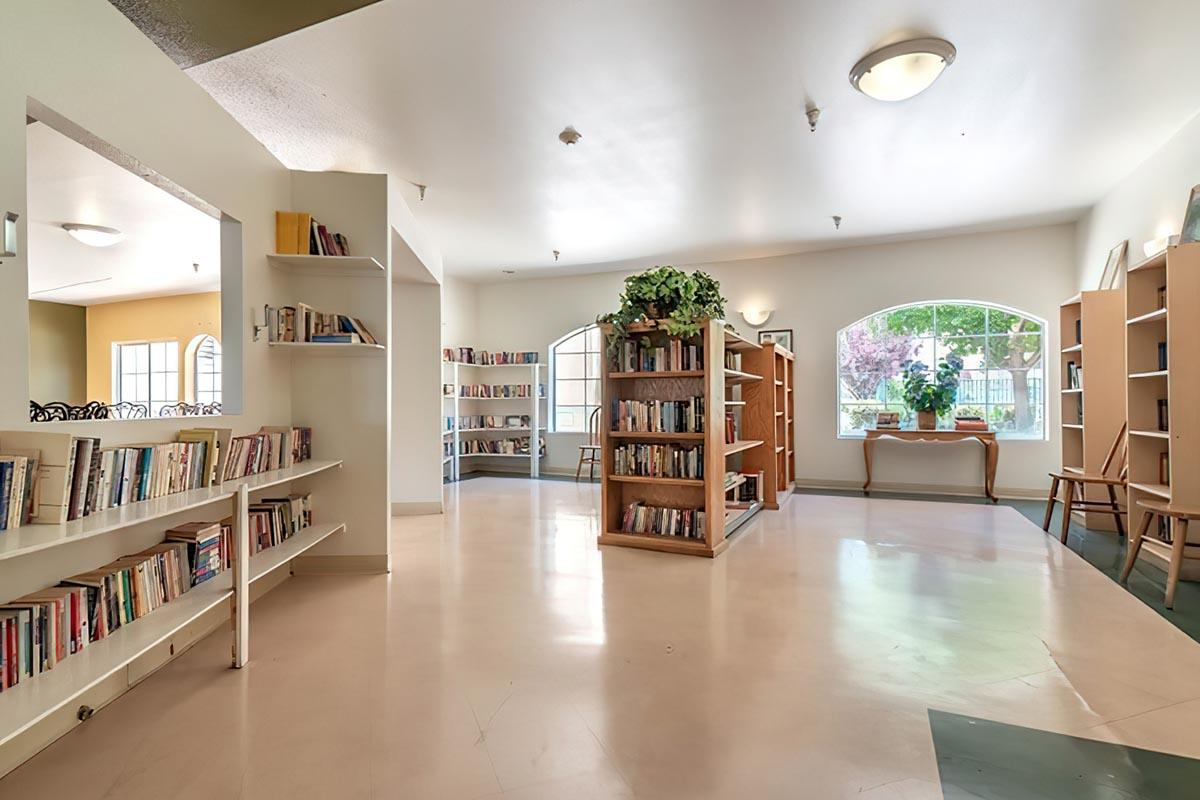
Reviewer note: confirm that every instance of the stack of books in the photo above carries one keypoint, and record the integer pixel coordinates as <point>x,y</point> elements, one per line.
<point>209,547</point>
<point>518,446</point>
<point>969,423</point>
<point>297,233</point>
<point>659,416</point>
<point>274,521</point>
<point>303,323</point>
<point>271,448</point>
<point>42,629</point>
<point>674,356</point>
<point>506,390</point>
<point>750,490</point>
<point>1074,375</point>
<point>659,461</point>
<point>477,422</point>
<point>18,488</point>
<point>887,421</point>
<point>687,523</point>
<point>467,355</point>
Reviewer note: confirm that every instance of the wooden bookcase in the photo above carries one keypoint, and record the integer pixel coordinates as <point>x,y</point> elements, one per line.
<point>1092,323</point>
<point>768,416</point>
<point>718,386</point>
<point>1161,309</point>
<point>458,374</point>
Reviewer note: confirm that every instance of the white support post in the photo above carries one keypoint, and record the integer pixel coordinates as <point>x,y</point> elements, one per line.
<point>455,474</point>
<point>535,425</point>
<point>241,577</point>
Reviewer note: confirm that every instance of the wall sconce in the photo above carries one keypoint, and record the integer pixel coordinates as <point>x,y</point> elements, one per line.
<point>8,248</point>
<point>757,318</point>
<point>1155,246</point>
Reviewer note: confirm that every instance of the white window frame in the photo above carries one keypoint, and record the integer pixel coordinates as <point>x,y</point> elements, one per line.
<point>1006,435</point>
<point>117,349</point>
<point>191,360</point>
<point>552,403</point>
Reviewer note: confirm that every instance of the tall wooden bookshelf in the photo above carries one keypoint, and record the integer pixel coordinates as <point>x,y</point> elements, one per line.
<point>1161,312</point>
<point>1093,408</point>
<point>768,416</point>
<point>457,374</point>
<point>713,382</point>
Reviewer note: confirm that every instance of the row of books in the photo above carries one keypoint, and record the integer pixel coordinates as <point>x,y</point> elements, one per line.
<point>517,446</point>
<point>674,356</point>
<point>18,481</point>
<point>209,547</point>
<point>730,427</point>
<point>733,360</point>
<point>274,521</point>
<point>659,461</point>
<point>297,233</point>
<point>467,355</point>
<point>749,489</point>
<point>513,390</point>
<point>687,523</point>
<point>303,323</point>
<point>1074,375</point>
<point>476,422</point>
<point>887,421</point>
<point>269,449</point>
<point>659,416</point>
<point>42,629</point>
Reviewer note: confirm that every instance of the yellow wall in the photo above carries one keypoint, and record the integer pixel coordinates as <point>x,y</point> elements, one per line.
<point>179,317</point>
<point>57,352</point>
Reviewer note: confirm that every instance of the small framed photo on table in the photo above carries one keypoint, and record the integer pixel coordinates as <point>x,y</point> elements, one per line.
<point>783,338</point>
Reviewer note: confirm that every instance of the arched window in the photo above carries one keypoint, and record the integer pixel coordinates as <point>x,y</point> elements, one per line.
<point>202,378</point>
<point>1003,376</point>
<point>575,363</point>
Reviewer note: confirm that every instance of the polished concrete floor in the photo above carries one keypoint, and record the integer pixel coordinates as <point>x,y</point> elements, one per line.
<point>842,647</point>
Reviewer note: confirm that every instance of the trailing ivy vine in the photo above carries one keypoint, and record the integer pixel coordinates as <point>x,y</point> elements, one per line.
<point>668,298</point>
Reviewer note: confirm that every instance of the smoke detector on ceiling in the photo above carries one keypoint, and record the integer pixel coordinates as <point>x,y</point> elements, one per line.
<point>570,136</point>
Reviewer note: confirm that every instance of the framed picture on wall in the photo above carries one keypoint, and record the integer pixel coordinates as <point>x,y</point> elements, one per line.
<point>782,338</point>
<point>1114,269</point>
<point>1191,219</point>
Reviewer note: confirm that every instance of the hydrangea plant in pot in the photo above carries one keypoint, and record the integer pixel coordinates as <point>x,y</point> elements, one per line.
<point>931,398</point>
<point>668,297</point>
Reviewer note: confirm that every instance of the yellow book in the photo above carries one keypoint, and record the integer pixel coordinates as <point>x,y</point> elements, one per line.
<point>286,236</point>
<point>303,230</point>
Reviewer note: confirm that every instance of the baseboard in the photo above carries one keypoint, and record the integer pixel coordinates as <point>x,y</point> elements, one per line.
<point>342,565</point>
<point>63,721</point>
<point>952,490</point>
<point>416,509</point>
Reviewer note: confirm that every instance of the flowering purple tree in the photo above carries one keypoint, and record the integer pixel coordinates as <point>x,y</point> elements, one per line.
<point>870,356</point>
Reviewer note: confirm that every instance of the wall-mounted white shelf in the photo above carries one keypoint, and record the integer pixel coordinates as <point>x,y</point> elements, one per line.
<point>332,266</point>
<point>329,348</point>
<point>465,365</point>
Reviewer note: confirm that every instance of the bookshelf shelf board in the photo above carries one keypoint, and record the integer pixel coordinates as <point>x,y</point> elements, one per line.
<point>464,364</point>
<point>741,446</point>
<point>789,452</point>
<point>362,266</point>
<point>1156,261</point>
<point>737,343</point>
<point>624,376</point>
<point>779,448</point>
<point>663,481</point>
<point>1072,391</point>
<point>493,455</point>
<point>651,541</point>
<point>735,483</point>
<point>447,459</point>
<point>522,399</point>
<point>1156,489</point>
<point>779,383</point>
<point>329,348</point>
<point>1074,426</point>
<point>262,564</point>
<point>1078,348</point>
<point>1158,373</point>
<point>1160,315</point>
<point>1151,434</point>
<point>1071,301</point>
<point>498,430</point>
<point>734,377</point>
<point>32,538</point>
<point>697,437</point>
<point>448,433</point>
<point>735,402</point>
<point>779,413</point>
<point>29,702</point>
<point>736,517</point>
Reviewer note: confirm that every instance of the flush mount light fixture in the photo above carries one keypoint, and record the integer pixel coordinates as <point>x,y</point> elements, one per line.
<point>757,317</point>
<point>570,136</point>
<point>93,235</point>
<point>902,70</point>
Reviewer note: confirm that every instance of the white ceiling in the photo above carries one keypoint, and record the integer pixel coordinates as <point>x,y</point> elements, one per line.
<point>164,236</point>
<point>692,111</point>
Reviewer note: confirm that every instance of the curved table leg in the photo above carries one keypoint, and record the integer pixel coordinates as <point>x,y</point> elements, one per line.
<point>868,454</point>
<point>991,454</point>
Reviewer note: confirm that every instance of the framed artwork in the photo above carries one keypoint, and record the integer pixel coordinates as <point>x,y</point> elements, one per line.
<point>782,338</point>
<point>1191,219</point>
<point>1114,269</point>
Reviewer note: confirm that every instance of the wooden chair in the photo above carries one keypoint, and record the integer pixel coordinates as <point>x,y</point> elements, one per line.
<point>1076,484</point>
<point>1177,538</point>
<point>590,453</point>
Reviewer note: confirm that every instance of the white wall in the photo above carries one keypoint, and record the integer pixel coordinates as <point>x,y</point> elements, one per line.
<point>460,307</point>
<point>1147,204</point>
<point>416,399</point>
<point>816,294</point>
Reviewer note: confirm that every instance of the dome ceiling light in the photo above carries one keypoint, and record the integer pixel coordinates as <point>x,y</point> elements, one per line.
<point>93,235</point>
<point>902,70</point>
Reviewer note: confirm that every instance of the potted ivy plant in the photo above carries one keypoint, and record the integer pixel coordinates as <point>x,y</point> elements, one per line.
<point>669,298</point>
<point>931,398</point>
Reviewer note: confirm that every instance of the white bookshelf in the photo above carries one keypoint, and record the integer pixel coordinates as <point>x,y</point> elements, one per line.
<point>331,266</point>
<point>458,374</point>
<point>330,348</point>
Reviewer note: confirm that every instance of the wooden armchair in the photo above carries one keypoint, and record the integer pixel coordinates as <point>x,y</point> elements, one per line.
<point>1076,483</point>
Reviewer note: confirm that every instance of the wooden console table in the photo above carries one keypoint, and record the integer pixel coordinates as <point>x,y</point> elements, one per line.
<point>991,450</point>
